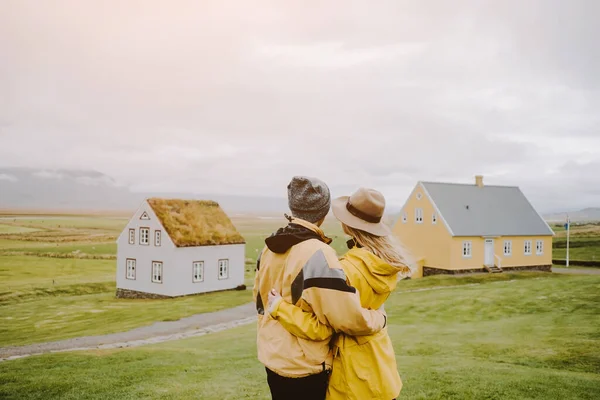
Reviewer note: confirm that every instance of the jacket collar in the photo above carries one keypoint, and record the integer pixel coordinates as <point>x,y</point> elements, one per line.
<point>297,231</point>
<point>312,227</point>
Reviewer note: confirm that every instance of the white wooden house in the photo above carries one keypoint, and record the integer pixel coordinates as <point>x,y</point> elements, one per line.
<point>175,248</point>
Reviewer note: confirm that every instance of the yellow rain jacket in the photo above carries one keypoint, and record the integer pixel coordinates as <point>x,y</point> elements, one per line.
<point>298,262</point>
<point>364,367</point>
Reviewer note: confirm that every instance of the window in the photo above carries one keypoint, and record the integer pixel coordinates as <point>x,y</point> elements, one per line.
<point>157,238</point>
<point>419,196</point>
<point>223,269</point>
<point>145,216</point>
<point>434,218</point>
<point>419,215</point>
<point>404,218</point>
<point>157,271</point>
<point>467,249</point>
<point>539,247</point>
<point>528,247</point>
<point>145,236</point>
<point>130,270</point>
<point>198,271</point>
<point>132,236</point>
<point>508,247</point>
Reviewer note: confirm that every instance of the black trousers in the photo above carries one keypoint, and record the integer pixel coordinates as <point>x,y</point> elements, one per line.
<point>312,387</point>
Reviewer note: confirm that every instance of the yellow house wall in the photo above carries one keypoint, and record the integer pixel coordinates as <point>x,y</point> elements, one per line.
<point>428,243</point>
<point>477,253</point>
<point>516,259</point>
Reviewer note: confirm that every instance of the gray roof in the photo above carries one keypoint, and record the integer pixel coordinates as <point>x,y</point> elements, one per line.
<point>492,210</point>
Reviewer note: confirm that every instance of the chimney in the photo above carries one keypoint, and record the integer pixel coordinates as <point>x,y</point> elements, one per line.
<point>479,180</point>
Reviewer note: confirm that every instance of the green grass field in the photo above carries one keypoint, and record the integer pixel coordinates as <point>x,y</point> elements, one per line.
<point>476,337</point>
<point>503,336</point>
<point>45,270</point>
<point>584,242</point>
<point>49,291</point>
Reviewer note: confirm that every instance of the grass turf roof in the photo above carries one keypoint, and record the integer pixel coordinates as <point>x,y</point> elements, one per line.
<point>195,222</point>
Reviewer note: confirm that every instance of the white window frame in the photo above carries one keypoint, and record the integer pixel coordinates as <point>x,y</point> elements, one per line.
<point>419,215</point>
<point>157,237</point>
<point>467,249</point>
<point>223,268</point>
<point>508,247</point>
<point>131,236</point>
<point>527,247</point>
<point>130,267</point>
<point>404,217</point>
<point>145,236</point>
<point>434,218</point>
<point>539,247</point>
<point>198,270</point>
<point>145,216</point>
<point>157,272</point>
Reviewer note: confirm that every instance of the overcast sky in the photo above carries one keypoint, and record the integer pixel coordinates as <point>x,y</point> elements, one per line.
<point>235,97</point>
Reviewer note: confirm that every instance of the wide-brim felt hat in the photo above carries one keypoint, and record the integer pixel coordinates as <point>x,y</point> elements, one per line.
<point>362,210</point>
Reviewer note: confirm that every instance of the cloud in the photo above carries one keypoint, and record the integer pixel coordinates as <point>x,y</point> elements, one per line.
<point>48,175</point>
<point>333,55</point>
<point>9,178</point>
<point>229,97</point>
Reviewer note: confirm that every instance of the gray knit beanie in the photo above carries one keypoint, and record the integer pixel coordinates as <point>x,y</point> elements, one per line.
<point>308,198</point>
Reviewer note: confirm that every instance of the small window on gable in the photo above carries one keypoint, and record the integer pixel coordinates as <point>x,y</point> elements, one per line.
<point>527,247</point>
<point>145,236</point>
<point>508,247</point>
<point>145,216</point>
<point>157,271</point>
<point>404,218</point>
<point>130,268</point>
<point>157,237</point>
<point>419,215</point>
<point>132,236</point>
<point>223,269</point>
<point>434,218</point>
<point>198,271</point>
<point>467,247</point>
<point>419,196</point>
<point>539,247</point>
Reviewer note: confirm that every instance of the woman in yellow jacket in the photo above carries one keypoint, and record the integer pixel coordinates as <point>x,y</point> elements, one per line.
<point>364,367</point>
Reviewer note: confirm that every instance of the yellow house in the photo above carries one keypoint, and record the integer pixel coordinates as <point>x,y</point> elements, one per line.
<point>457,228</point>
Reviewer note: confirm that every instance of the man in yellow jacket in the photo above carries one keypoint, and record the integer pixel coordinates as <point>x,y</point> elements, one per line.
<point>299,263</point>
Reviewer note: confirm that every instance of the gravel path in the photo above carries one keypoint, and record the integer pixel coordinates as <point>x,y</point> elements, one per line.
<point>577,271</point>
<point>196,325</point>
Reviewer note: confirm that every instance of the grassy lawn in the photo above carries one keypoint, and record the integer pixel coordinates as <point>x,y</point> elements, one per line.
<point>82,310</point>
<point>21,273</point>
<point>584,242</point>
<point>580,248</point>
<point>45,298</point>
<point>532,338</point>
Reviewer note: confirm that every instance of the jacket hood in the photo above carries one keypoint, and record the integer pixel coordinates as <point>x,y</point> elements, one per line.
<point>380,275</point>
<point>296,232</point>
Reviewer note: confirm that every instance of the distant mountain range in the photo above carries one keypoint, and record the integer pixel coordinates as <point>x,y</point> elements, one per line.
<point>80,190</point>
<point>586,215</point>
<point>85,190</point>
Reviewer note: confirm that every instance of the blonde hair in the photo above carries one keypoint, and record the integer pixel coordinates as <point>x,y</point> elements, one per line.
<point>388,248</point>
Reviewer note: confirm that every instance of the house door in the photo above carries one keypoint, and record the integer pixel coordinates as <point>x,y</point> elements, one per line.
<point>489,252</point>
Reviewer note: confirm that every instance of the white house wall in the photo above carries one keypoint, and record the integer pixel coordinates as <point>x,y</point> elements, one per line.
<point>144,255</point>
<point>178,275</point>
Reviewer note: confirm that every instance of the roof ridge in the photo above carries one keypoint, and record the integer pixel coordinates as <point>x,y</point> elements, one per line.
<point>467,184</point>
